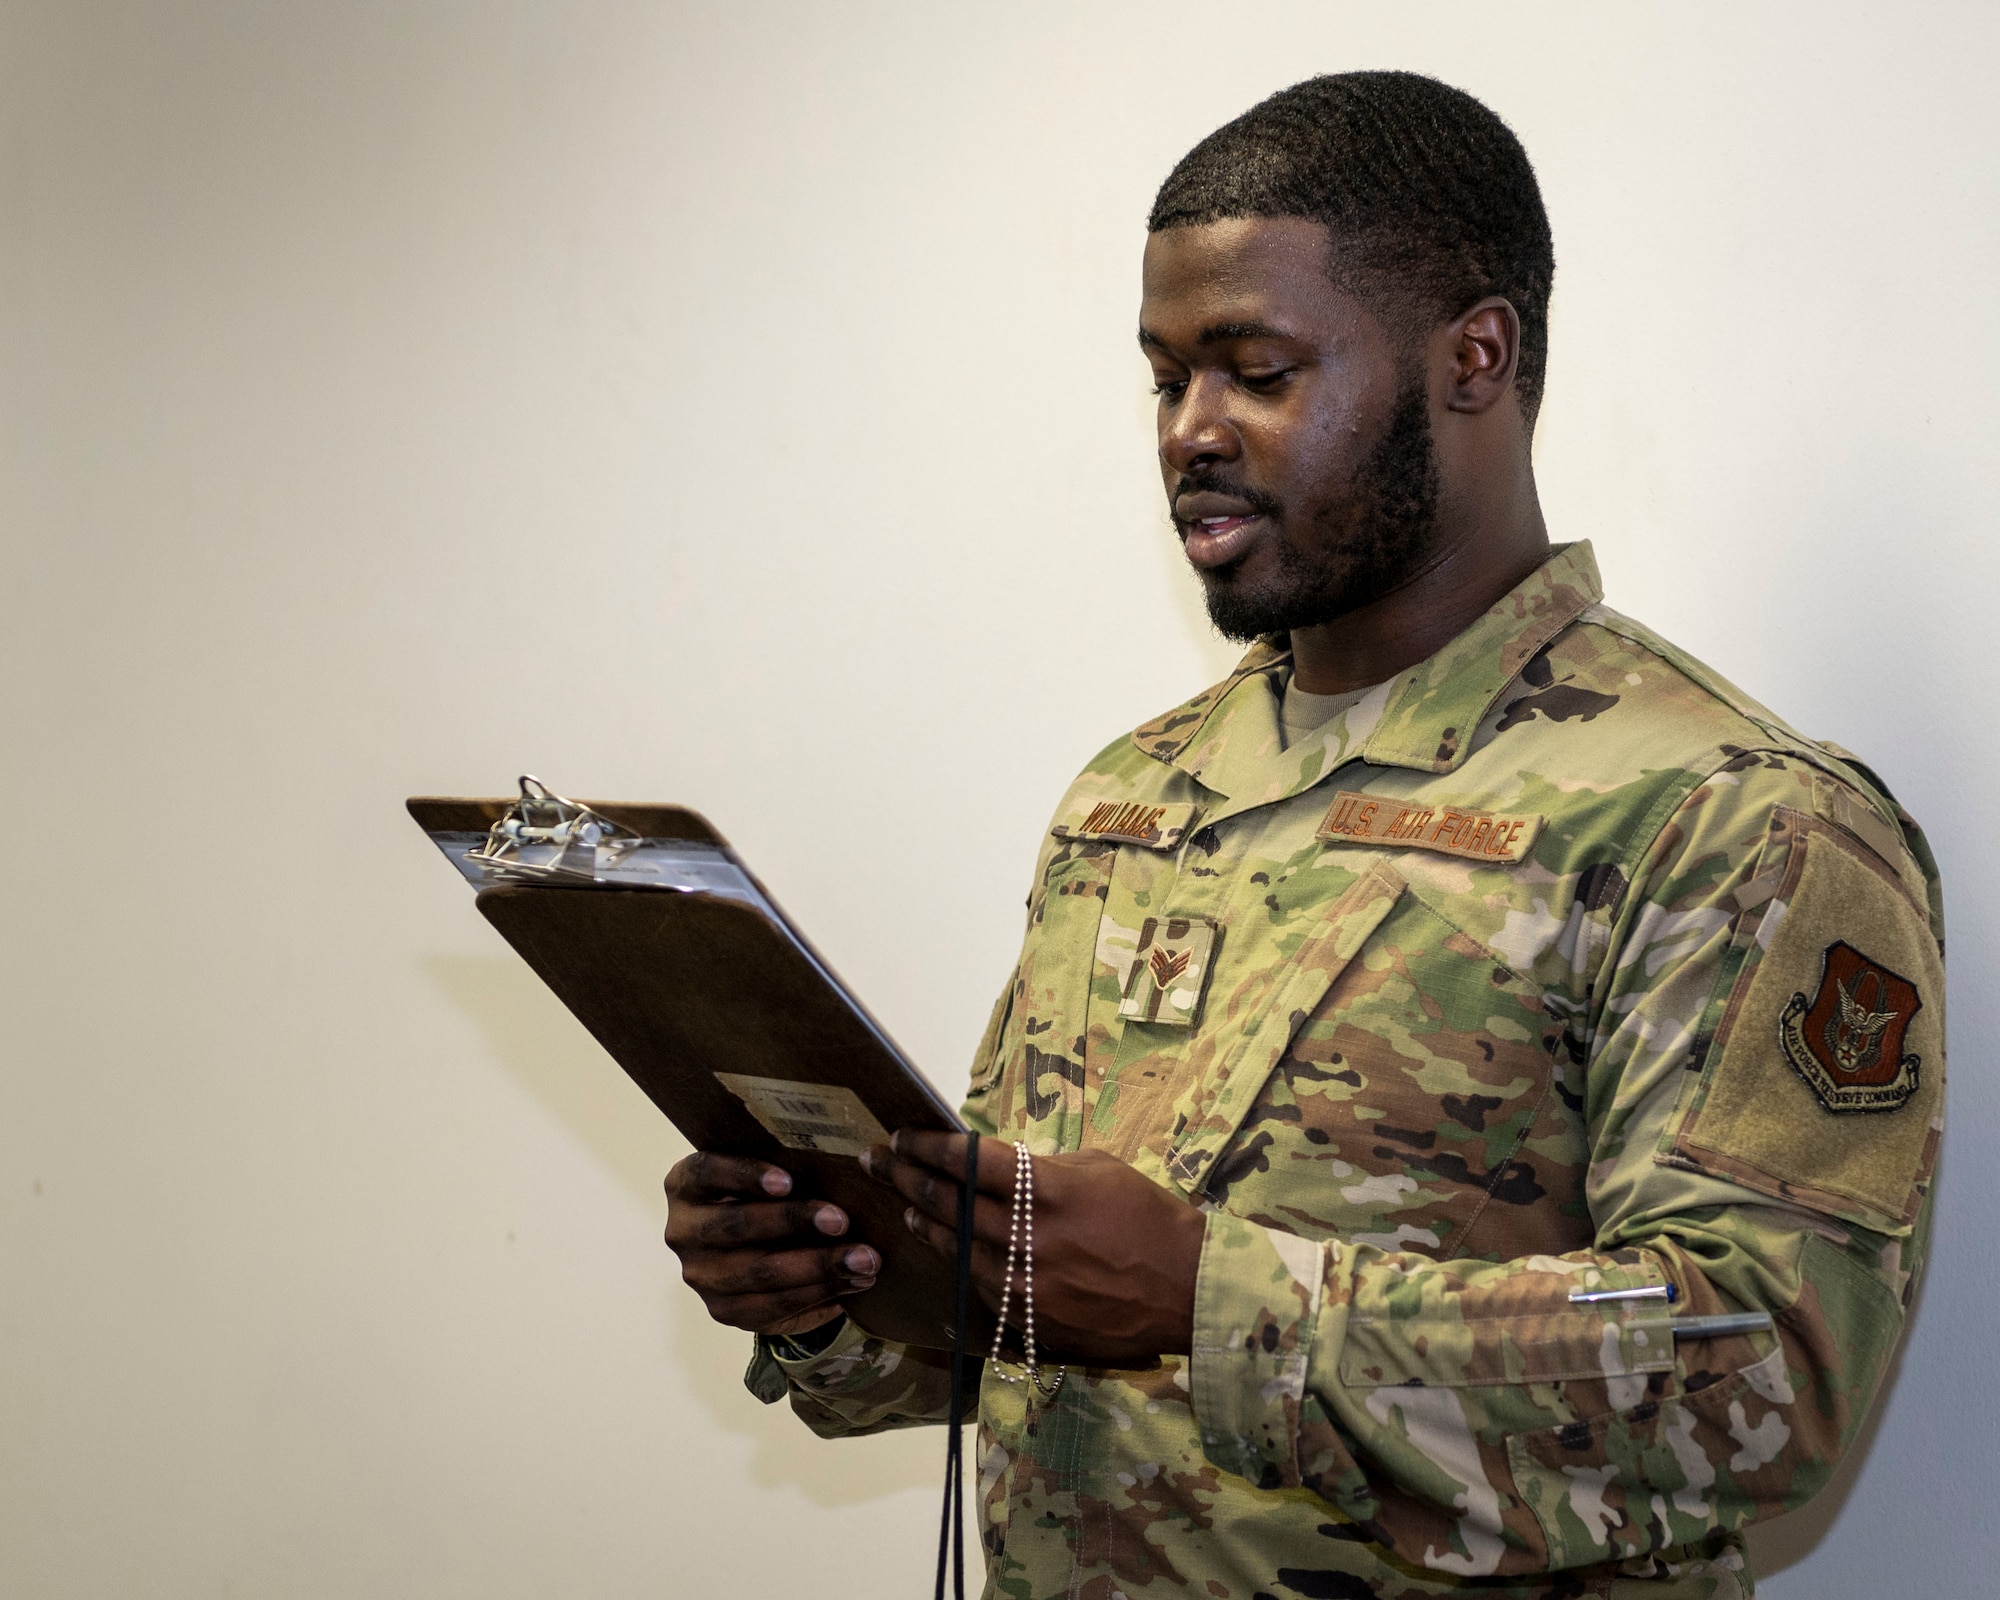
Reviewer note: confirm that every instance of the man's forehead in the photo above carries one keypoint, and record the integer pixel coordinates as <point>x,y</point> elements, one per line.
<point>1240,278</point>
<point>1222,332</point>
<point>1244,249</point>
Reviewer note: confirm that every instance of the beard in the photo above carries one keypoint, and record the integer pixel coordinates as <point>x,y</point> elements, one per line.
<point>1366,547</point>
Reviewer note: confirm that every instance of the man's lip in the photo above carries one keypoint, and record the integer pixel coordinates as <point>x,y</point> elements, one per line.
<point>1207,503</point>
<point>1216,540</point>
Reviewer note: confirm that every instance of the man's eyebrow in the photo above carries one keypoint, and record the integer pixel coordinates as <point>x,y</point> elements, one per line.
<point>1217,333</point>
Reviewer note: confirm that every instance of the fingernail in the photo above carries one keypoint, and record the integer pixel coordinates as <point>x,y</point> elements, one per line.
<point>894,1143</point>
<point>776,1182</point>
<point>868,1161</point>
<point>830,1219</point>
<point>910,1219</point>
<point>857,1285</point>
<point>861,1261</point>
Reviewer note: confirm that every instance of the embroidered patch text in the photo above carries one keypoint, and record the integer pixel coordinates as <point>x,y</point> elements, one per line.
<point>1158,827</point>
<point>1847,1042</point>
<point>1369,819</point>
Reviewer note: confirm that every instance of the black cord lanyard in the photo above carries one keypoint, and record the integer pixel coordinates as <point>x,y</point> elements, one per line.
<point>951,1531</point>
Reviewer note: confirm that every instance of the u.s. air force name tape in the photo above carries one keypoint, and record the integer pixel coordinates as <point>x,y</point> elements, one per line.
<point>1368,819</point>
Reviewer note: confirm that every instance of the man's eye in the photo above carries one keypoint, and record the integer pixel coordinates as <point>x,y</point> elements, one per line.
<point>1170,388</point>
<point>1264,381</point>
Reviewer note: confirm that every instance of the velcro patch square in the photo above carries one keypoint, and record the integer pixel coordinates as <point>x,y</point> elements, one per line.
<point>1175,954</point>
<point>1835,1011</point>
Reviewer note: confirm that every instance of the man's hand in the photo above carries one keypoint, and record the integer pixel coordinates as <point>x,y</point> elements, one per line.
<point>757,1259</point>
<point>1115,1254</point>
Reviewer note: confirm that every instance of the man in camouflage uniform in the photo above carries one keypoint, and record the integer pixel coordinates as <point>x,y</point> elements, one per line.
<point>1404,1056</point>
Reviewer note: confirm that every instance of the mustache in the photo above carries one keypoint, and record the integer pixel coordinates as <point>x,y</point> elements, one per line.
<point>1257,500</point>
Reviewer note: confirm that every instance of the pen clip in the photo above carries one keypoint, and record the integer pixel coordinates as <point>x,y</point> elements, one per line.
<point>1723,1325</point>
<point>1650,1291</point>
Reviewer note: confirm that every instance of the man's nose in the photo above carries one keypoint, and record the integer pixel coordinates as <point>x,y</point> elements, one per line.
<point>1198,432</point>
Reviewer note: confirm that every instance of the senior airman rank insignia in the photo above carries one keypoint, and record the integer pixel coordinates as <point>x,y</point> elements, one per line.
<point>1175,954</point>
<point>1847,1043</point>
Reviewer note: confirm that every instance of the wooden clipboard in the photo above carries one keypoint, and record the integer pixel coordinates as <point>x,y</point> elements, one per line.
<point>715,1005</point>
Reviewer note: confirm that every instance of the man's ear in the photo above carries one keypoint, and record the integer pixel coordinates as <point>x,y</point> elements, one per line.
<point>1482,349</point>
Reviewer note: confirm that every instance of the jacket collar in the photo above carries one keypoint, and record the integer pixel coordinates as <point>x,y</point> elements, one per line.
<point>1433,707</point>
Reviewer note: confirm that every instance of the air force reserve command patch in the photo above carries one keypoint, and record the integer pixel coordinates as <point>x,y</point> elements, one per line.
<point>1847,1041</point>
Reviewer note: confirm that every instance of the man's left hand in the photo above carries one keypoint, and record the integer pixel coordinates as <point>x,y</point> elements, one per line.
<point>1115,1254</point>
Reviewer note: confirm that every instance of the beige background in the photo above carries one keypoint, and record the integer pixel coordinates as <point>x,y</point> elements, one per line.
<point>736,404</point>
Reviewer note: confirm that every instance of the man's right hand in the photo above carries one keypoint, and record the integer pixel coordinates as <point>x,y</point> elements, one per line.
<point>758,1259</point>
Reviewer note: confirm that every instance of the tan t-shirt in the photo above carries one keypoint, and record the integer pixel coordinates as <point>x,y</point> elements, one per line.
<point>1302,713</point>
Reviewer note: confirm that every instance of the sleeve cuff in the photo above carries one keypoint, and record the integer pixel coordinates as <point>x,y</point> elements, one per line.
<point>1256,1307</point>
<point>776,1361</point>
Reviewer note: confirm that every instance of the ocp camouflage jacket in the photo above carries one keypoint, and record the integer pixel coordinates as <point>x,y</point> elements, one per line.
<point>1556,966</point>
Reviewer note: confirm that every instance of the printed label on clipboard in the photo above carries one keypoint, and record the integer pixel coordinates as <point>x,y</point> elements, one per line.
<point>808,1116</point>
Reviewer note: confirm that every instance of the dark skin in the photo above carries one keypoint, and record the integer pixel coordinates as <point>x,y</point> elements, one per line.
<point>1273,379</point>
<point>1271,375</point>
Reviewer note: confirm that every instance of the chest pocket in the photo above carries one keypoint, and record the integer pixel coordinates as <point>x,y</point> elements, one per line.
<point>1414,1106</point>
<point>1039,1092</point>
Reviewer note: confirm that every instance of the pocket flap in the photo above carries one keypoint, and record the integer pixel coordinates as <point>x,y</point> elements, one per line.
<point>1212,1111</point>
<point>1556,1347</point>
<point>1508,1326</point>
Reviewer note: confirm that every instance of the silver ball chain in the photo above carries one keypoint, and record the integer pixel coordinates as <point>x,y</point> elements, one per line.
<point>1021,1249</point>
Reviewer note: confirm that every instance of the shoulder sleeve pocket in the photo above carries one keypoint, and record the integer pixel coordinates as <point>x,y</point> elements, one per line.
<point>1823,1084</point>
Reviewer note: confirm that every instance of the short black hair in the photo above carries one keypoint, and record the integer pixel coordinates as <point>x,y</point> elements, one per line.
<point>1430,198</point>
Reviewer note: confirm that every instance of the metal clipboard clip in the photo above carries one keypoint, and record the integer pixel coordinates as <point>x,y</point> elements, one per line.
<point>544,838</point>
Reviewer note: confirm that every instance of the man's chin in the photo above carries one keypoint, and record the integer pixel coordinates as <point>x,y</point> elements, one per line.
<point>1245,608</point>
<point>1242,614</point>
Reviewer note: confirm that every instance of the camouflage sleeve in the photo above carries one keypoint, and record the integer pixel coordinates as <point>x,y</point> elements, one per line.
<point>860,1384</point>
<point>1763,1080</point>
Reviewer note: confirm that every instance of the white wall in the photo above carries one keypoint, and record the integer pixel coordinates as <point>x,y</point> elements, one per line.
<point>736,404</point>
